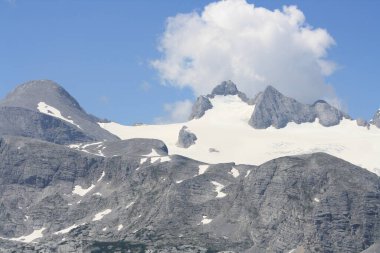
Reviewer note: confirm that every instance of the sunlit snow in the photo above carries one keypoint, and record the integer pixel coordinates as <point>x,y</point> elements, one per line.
<point>50,110</point>
<point>225,127</point>
<point>218,189</point>
<point>100,215</point>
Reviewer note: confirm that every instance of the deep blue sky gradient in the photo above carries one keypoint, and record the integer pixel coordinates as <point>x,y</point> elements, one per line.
<point>100,51</point>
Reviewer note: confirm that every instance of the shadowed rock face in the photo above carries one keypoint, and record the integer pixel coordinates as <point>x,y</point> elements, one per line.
<point>316,202</point>
<point>274,109</point>
<point>23,122</point>
<point>200,107</point>
<point>29,96</point>
<point>186,138</point>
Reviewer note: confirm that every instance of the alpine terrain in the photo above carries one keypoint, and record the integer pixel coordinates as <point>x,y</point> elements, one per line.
<point>262,174</point>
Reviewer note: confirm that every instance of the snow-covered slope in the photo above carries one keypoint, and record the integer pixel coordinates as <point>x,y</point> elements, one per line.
<point>224,128</point>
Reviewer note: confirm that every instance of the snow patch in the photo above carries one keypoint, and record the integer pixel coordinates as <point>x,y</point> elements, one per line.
<point>225,127</point>
<point>100,215</point>
<point>153,153</point>
<point>129,205</point>
<point>143,160</point>
<point>234,172</point>
<point>81,191</point>
<point>316,200</point>
<point>179,181</point>
<point>120,227</point>
<point>97,193</point>
<point>101,177</point>
<point>67,230</point>
<point>202,169</point>
<point>205,220</point>
<point>247,174</point>
<point>50,110</point>
<point>36,234</point>
<point>218,189</point>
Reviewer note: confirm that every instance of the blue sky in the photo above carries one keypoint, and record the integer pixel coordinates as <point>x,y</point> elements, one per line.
<point>101,51</point>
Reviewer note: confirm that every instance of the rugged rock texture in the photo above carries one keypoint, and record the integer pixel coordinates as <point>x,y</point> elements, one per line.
<point>362,122</point>
<point>129,148</point>
<point>376,119</point>
<point>29,96</point>
<point>226,88</point>
<point>168,204</point>
<point>186,138</point>
<point>200,107</point>
<point>229,88</point>
<point>23,122</point>
<point>274,109</point>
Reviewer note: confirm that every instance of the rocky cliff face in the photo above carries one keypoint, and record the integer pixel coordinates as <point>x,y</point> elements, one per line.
<point>376,119</point>
<point>274,109</point>
<point>174,204</point>
<point>132,196</point>
<point>48,98</point>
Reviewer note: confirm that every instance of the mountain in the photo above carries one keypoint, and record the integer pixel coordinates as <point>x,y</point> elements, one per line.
<point>376,119</point>
<point>67,199</point>
<point>45,110</point>
<point>274,109</point>
<point>212,184</point>
<point>254,131</point>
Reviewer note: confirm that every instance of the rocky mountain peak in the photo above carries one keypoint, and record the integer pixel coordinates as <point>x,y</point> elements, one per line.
<point>29,94</point>
<point>272,108</point>
<point>225,88</point>
<point>376,119</point>
<point>45,104</point>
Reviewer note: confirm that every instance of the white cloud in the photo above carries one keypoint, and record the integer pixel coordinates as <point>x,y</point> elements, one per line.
<point>176,112</point>
<point>250,45</point>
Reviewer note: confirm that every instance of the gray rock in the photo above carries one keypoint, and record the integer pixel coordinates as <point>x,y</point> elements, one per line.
<point>229,88</point>
<point>327,114</point>
<point>186,138</point>
<point>375,248</point>
<point>224,89</point>
<point>30,94</point>
<point>23,122</point>
<point>376,119</point>
<point>316,202</point>
<point>362,122</point>
<point>274,109</point>
<point>200,107</point>
<point>129,147</point>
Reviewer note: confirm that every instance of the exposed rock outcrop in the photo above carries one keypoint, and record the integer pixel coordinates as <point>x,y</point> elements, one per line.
<point>274,109</point>
<point>186,138</point>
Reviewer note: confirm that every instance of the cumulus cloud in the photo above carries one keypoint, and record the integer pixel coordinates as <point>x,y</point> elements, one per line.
<point>253,46</point>
<point>175,112</point>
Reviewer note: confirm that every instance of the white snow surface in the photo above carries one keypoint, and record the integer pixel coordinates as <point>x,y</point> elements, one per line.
<point>225,127</point>
<point>234,172</point>
<point>100,215</point>
<point>28,238</point>
<point>66,230</point>
<point>202,169</point>
<point>120,227</point>
<point>205,221</point>
<point>50,110</point>
<point>218,189</point>
<point>81,191</point>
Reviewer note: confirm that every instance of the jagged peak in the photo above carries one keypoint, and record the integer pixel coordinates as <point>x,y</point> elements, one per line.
<point>225,88</point>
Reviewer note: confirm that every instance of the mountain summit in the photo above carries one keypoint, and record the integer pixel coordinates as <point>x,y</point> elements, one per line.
<point>272,108</point>
<point>43,105</point>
